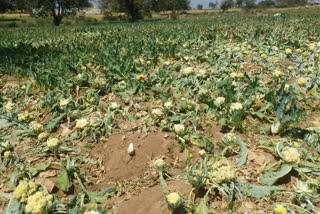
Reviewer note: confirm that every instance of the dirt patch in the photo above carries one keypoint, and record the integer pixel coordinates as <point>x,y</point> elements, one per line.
<point>118,164</point>
<point>150,200</point>
<point>3,205</point>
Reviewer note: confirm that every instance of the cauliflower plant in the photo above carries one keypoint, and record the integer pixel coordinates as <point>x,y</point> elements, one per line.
<point>219,101</point>
<point>174,200</point>
<point>64,102</point>
<point>81,123</point>
<point>39,202</point>
<point>23,190</point>
<point>36,126</point>
<point>24,116</point>
<point>222,172</point>
<point>7,154</point>
<point>9,107</point>
<point>157,112</point>
<point>43,136</point>
<point>291,155</point>
<point>53,143</point>
<point>236,106</point>
<point>179,128</point>
<point>301,81</point>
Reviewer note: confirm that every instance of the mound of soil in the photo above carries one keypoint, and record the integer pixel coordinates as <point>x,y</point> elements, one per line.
<point>118,164</point>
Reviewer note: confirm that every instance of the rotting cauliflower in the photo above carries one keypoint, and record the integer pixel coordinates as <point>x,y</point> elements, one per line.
<point>9,107</point>
<point>7,154</point>
<point>291,155</point>
<point>222,172</point>
<point>279,208</point>
<point>38,202</point>
<point>301,81</point>
<point>43,136</point>
<point>202,73</point>
<point>179,128</point>
<point>141,77</point>
<point>219,101</point>
<point>64,102</point>
<point>36,126</point>
<point>24,116</point>
<point>168,104</point>
<point>187,71</point>
<point>91,212</point>
<point>157,112</point>
<point>24,189</point>
<point>81,123</point>
<point>159,164</point>
<point>276,73</point>
<point>174,200</point>
<point>235,106</point>
<point>53,143</point>
<point>288,51</point>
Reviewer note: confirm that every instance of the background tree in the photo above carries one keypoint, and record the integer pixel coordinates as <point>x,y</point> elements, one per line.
<point>213,5</point>
<point>58,8</point>
<point>249,4</point>
<point>266,4</point>
<point>226,4</point>
<point>239,3</point>
<point>199,6</point>
<point>4,6</point>
<point>290,3</point>
<point>134,9</point>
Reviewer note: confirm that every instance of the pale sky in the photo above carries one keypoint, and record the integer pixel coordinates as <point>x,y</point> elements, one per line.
<point>205,3</point>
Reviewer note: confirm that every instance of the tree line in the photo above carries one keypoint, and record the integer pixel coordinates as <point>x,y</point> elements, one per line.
<point>133,9</point>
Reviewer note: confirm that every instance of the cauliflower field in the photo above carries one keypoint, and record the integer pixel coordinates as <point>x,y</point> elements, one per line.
<point>215,115</point>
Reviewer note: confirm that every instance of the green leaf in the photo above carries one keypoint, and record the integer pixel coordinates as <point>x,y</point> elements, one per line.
<point>55,122</point>
<point>256,191</point>
<point>14,206</point>
<point>164,185</point>
<point>38,168</point>
<point>64,181</point>
<point>202,141</point>
<point>243,154</point>
<point>203,207</point>
<point>269,178</point>
<point>129,116</point>
<point>75,135</point>
<point>5,196</point>
<point>100,196</point>
<point>5,123</point>
<point>15,177</point>
<point>222,122</point>
<point>314,91</point>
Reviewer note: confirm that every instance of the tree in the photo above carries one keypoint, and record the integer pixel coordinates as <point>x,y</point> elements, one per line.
<point>213,5</point>
<point>290,3</point>
<point>173,5</point>
<point>199,6</point>
<point>266,4</point>
<point>134,9</point>
<point>239,3</point>
<point>226,4</point>
<point>250,4</point>
<point>4,6</point>
<point>58,8</point>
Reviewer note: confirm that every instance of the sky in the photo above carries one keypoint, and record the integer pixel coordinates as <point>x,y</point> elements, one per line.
<point>205,3</point>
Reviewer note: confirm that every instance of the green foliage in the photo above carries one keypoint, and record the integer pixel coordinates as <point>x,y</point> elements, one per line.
<point>255,191</point>
<point>226,4</point>
<point>270,177</point>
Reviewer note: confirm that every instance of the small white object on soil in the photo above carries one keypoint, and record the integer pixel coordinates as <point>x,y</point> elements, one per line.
<point>131,149</point>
